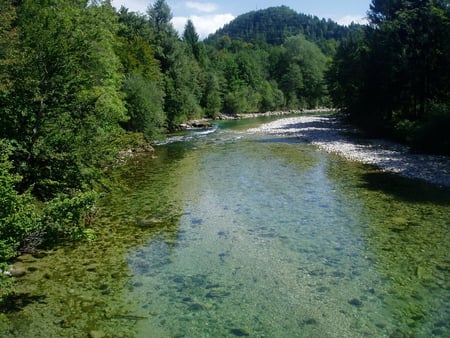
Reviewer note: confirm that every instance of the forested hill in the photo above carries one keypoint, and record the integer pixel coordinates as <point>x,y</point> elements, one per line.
<point>273,25</point>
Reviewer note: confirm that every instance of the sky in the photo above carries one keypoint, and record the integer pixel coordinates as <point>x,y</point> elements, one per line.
<point>210,15</point>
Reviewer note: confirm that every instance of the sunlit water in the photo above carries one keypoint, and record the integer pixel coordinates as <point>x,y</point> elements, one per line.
<point>228,234</point>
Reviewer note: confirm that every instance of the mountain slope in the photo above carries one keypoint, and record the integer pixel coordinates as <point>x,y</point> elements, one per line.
<point>274,24</point>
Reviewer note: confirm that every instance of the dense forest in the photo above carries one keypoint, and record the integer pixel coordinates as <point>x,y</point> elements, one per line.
<point>81,80</point>
<point>273,25</point>
<point>392,77</point>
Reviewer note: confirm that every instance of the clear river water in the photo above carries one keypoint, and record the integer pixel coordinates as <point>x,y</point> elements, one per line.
<point>225,233</point>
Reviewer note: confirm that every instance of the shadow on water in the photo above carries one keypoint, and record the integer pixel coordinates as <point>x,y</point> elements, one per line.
<point>289,140</point>
<point>405,189</point>
<point>17,302</point>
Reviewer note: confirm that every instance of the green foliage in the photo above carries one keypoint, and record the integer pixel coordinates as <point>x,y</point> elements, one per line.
<point>181,71</point>
<point>273,25</point>
<point>211,100</point>
<point>6,282</point>
<point>272,98</point>
<point>191,38</point>
<point>345,75</point>
<point>235,102</point>
<point>143,85</point>
<point>64,98</point>
<point>392,77</point>
<point>11,53</point>
<point>144,102</point>
<point>67,216</point>
<point>18,217</point>
<point>300,70</point>
<point>433,135</point>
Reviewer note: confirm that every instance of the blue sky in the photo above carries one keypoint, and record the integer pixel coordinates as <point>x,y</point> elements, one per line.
<point>209,15</point>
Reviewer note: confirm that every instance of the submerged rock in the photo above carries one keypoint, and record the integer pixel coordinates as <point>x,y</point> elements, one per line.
<point>17,272</point>
<point>310,321</point>
<point>240,332</point>
<point>96,334</point>
<point>196,307</point>
<point>355,302</point>
<point>217,293</point>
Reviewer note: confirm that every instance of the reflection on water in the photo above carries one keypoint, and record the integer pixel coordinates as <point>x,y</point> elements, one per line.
<point>232,235</point>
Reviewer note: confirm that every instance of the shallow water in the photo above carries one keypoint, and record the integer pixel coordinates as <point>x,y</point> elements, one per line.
<point>229,234</point>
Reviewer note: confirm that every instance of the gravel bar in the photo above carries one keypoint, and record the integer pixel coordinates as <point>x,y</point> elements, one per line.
<point>331,134</point>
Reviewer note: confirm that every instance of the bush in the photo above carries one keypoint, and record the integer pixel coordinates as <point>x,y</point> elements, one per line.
<point>433,135</point>
<point>67,216</point>
<point>18,217</point>
<point>144,102</point>
<point>404,130</point>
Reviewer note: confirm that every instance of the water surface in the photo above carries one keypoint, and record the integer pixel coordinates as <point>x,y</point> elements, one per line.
<point>229,234</point>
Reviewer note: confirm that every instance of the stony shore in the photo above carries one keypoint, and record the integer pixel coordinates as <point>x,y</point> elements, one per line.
<point>207,122</point>
<point>331,134</point>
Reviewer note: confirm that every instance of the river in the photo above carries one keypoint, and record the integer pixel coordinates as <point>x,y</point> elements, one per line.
<point>225,233</point>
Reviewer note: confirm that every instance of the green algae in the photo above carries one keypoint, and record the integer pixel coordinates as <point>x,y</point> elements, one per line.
<point>229,236</point>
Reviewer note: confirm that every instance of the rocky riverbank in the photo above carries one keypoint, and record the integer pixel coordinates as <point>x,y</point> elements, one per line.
<point>331,134</point>
<point>206,122</point>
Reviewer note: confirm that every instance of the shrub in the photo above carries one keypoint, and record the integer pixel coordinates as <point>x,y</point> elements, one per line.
<point>18,217</point>
<point>433,134</point>
<point>66,217</point>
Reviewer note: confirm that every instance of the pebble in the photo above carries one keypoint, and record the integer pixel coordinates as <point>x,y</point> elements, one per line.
<point>328,132</point>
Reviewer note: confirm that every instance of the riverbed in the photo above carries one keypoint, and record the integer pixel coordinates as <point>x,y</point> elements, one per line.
<point>332,134</point>
<point>230,232</point>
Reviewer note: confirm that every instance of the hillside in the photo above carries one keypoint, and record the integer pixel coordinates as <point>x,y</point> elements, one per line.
<point>273,25</point>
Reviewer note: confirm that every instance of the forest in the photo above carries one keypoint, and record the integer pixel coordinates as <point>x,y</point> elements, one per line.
<point>81,80</point>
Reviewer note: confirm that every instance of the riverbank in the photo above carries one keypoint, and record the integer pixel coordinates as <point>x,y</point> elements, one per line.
<point>331,134</point>
<point>207,122</point>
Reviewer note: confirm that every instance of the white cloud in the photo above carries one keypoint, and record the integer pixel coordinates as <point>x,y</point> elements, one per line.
<point>204,24</point>
<point>133,5</point>
<point>206,7</point>
<point>348,19</point>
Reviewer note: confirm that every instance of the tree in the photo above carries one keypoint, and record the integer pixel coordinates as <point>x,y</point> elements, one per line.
<point>18,215</point>
<point>401,79</point>
<point>65,100</point>
<point>191,38</point>
<point>211,100</point>
<point>144,102</point>
<point>410,40</point>
<point>346,74</point>
<point>143,85</point>
<point>385,10</point>
<point>160,16</point>
<point>181,74</point>
<point>301,69</point>
<point>272,98</point>
<point>11,51</point>
<point>273,25</point>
